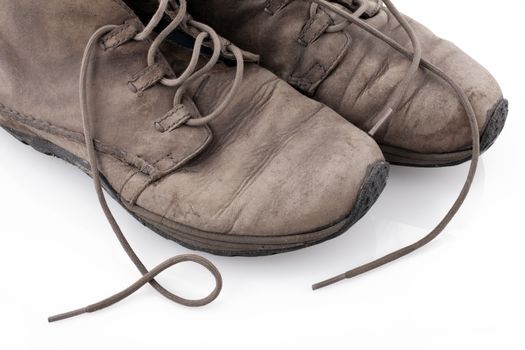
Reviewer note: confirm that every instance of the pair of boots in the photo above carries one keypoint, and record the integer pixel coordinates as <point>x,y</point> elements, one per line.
<point>207,148</point>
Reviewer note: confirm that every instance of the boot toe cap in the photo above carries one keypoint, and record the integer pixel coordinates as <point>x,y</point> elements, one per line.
<point>308,179</point>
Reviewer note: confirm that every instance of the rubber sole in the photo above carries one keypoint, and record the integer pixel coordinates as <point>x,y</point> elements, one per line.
<point>495,124</point>
<point>372,187</point>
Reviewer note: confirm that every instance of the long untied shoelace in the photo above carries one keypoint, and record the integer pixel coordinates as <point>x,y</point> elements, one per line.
<point>417,61</point>
<point>189,75</point>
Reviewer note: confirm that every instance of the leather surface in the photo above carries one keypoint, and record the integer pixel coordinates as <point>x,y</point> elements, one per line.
<point>429,120</point>
<point>277,164</point>
<point>43,43</point>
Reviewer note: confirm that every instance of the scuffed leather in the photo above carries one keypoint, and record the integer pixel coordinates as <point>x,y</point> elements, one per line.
<point>429,120</point>
<point>42,45</point>
<point>278,163</point>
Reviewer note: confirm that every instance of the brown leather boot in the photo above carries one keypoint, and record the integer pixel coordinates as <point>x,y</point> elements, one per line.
<point>326,50</point>
<point>228,160</point>
<point>378,69</point>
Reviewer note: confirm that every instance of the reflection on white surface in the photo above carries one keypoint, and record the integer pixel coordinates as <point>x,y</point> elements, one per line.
<point>417,197</point>
<point>413,203</point>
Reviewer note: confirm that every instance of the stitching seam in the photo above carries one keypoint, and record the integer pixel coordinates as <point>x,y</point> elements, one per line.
<point>131,159</point>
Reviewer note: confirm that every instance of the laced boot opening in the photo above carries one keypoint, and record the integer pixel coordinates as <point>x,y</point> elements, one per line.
<point>370,7</point>
<point>144,9</point>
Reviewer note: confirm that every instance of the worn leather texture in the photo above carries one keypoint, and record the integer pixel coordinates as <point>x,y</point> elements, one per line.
<point>355,73</point>
<point>42,45</point>
<point>274,163</point>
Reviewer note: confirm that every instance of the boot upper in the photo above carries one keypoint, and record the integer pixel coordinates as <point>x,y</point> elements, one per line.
<point>273,163</point>
<point>355,73</point>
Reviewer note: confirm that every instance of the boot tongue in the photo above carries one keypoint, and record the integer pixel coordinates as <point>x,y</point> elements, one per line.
<point>373,5</point>
<point>144,9</point>
<point>185,36</point>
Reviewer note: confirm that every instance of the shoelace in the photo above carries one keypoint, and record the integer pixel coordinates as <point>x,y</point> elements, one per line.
<point>189,75</point>
<point>417,61</point>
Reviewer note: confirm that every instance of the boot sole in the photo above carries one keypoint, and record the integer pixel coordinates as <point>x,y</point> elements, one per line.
<point>495,124</point>
<point>223,245</point>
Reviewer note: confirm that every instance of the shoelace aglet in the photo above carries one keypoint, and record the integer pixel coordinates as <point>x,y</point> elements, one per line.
<point>356,272</point>
<point>67,315</point>
<point>329,282</point>
<point>386,115</point>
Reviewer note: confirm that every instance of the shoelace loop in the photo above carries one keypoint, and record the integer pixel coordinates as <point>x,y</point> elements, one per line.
<point>183,19</point>
<point>148,278</point>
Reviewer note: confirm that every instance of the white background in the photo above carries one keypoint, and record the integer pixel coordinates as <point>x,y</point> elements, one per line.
<point>466,290</point>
